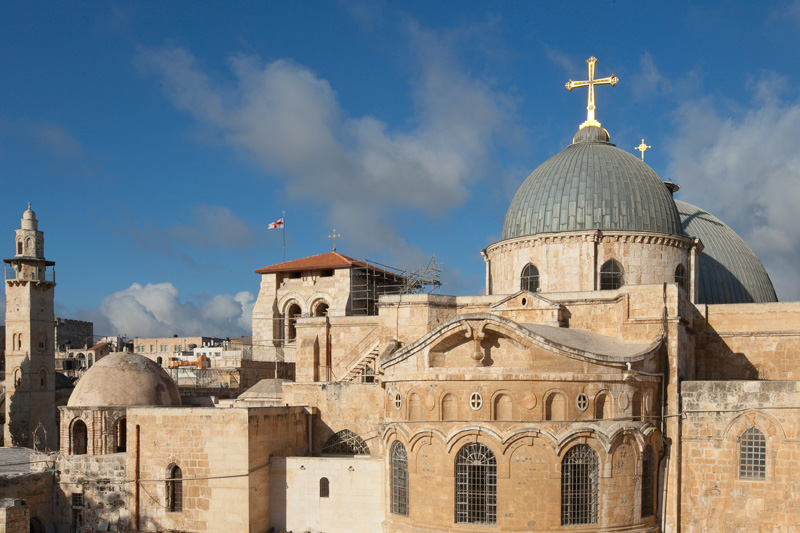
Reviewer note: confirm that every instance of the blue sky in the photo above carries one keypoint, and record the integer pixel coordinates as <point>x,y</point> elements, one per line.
<point>156,140</point>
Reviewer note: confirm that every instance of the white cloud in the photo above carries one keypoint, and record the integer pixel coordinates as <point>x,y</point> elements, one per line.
<point>746,170</point>
<point>289,119</point>
<point>156,310</point>
<point>649,81</point>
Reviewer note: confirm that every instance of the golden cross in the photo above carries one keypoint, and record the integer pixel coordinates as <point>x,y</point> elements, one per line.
<point>334,238</point>
<point>591,82</point>
<point>642,147</point>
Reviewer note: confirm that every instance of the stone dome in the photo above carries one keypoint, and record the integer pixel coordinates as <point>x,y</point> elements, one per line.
<point>729,270</point>
<point>592,184</point>
<point>124,379</point>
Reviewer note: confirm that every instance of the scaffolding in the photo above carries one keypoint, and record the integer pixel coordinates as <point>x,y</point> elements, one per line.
<point>371,280</point>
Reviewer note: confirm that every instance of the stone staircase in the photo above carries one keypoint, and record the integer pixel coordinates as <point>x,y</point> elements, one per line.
<point>357,371</point>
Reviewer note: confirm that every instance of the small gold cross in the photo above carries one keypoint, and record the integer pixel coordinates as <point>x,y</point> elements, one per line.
<point>642,147</point>
<point>591,82</point>
<point>334,238</point>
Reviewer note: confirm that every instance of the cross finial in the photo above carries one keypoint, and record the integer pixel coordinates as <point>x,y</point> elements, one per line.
<point>642,147</point>
<point>334,238</point>
<point>591,82</point>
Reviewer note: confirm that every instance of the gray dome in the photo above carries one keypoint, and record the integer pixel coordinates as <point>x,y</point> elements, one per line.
<point>729,270</point>
<point>125,379</point>
<point>592,184</point>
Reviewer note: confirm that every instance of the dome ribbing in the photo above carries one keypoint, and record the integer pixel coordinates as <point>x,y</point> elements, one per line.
<point>592,184</point>
<point>729,270</point>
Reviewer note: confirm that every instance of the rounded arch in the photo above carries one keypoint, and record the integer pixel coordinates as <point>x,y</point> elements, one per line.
<point>529,280</point>
<point>398,459</point>
<point>345,442</point>
<point>292,311</point>
<point>449,407</point>
<point>603,406</point>
<point>174,476</point>
<point>475,484</point>
<point>319,308</point>
<point>554,406</point>
<point>764,421</point>
<point>120,434</point>
<point>42,378</point>
<point>78,437</point>
<point>637,407</point>
<point>474,433</point>
<point>681,277</point>
<point>612,275</point>
<point>502,405</point>
<point>580,485</point>
<point>415,405</point>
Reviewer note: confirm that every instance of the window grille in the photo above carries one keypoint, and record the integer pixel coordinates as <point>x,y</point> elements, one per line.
<point>680,277</point>
<point>77,499</point>
<point>345,442</point>
<point>175,490</point>
<point>324,488</point>
<point>530,278</point>
<point>399,479</point>
<point>476,485</point>
<point>610,276</point>
<point>579,486</point>
<point>398,401</point>
<point>648,480</point>
<point>753,455</point>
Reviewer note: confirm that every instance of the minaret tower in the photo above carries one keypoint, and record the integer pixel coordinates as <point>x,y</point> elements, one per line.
<point>30,351</point>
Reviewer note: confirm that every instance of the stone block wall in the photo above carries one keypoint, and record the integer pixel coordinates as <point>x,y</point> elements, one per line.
<point>571,261</point>
<point>748,341</point>
<point>714,495</point>
<point>35,488</point>
<point>224,459</point>
<point>14,516</point>
<point>355,500</point>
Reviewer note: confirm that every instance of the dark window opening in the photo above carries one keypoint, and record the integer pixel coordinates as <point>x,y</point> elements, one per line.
<point>611,276</point>
<point>530,278</point>
<point>324,488</point>
<point>175,490</point>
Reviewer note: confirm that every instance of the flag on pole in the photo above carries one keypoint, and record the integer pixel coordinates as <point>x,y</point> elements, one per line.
<point>277,224</point>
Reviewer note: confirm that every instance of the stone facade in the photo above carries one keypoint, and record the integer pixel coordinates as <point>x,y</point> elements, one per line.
<point>71,333</point>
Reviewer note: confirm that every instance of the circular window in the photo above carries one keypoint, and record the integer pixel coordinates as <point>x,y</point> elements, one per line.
<point>398,402</point>
<point>475,401</point>
<point>582,401</point>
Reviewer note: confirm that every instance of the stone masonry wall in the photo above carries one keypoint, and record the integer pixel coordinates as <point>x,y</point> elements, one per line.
<point>355,501</point>
<point>714,496</point>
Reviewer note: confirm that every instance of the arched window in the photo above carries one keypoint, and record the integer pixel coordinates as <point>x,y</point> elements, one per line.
<point>415,407</point>
<point>42,378</point>
<point>79,437</point>
<point>555,407</point>
<point>120,435</point>
<point>752,455</point>
<point>579,486</point>
<point>648,480</point>
<point>345,442</point>
<point>321,309</point>
<point>399,479</point>
<point>291,317</point>
<point>530,278</point>
<point>324,487</point>
<point>476,485</point>
<point>610,276</point>
<point>174,489</point>
<point>681,278</point>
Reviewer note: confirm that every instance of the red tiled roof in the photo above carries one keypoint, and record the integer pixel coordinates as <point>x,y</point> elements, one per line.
<point>326,261</point>
<point>96,346</point>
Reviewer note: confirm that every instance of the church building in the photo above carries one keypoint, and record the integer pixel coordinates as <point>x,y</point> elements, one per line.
<point>628,368</point>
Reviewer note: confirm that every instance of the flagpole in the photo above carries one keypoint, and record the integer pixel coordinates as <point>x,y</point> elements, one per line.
<point>284,236</point>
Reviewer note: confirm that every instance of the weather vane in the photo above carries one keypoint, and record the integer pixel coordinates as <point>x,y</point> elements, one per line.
<point>334,238</point>
<point>591,82</point>
<point>642,147</point>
